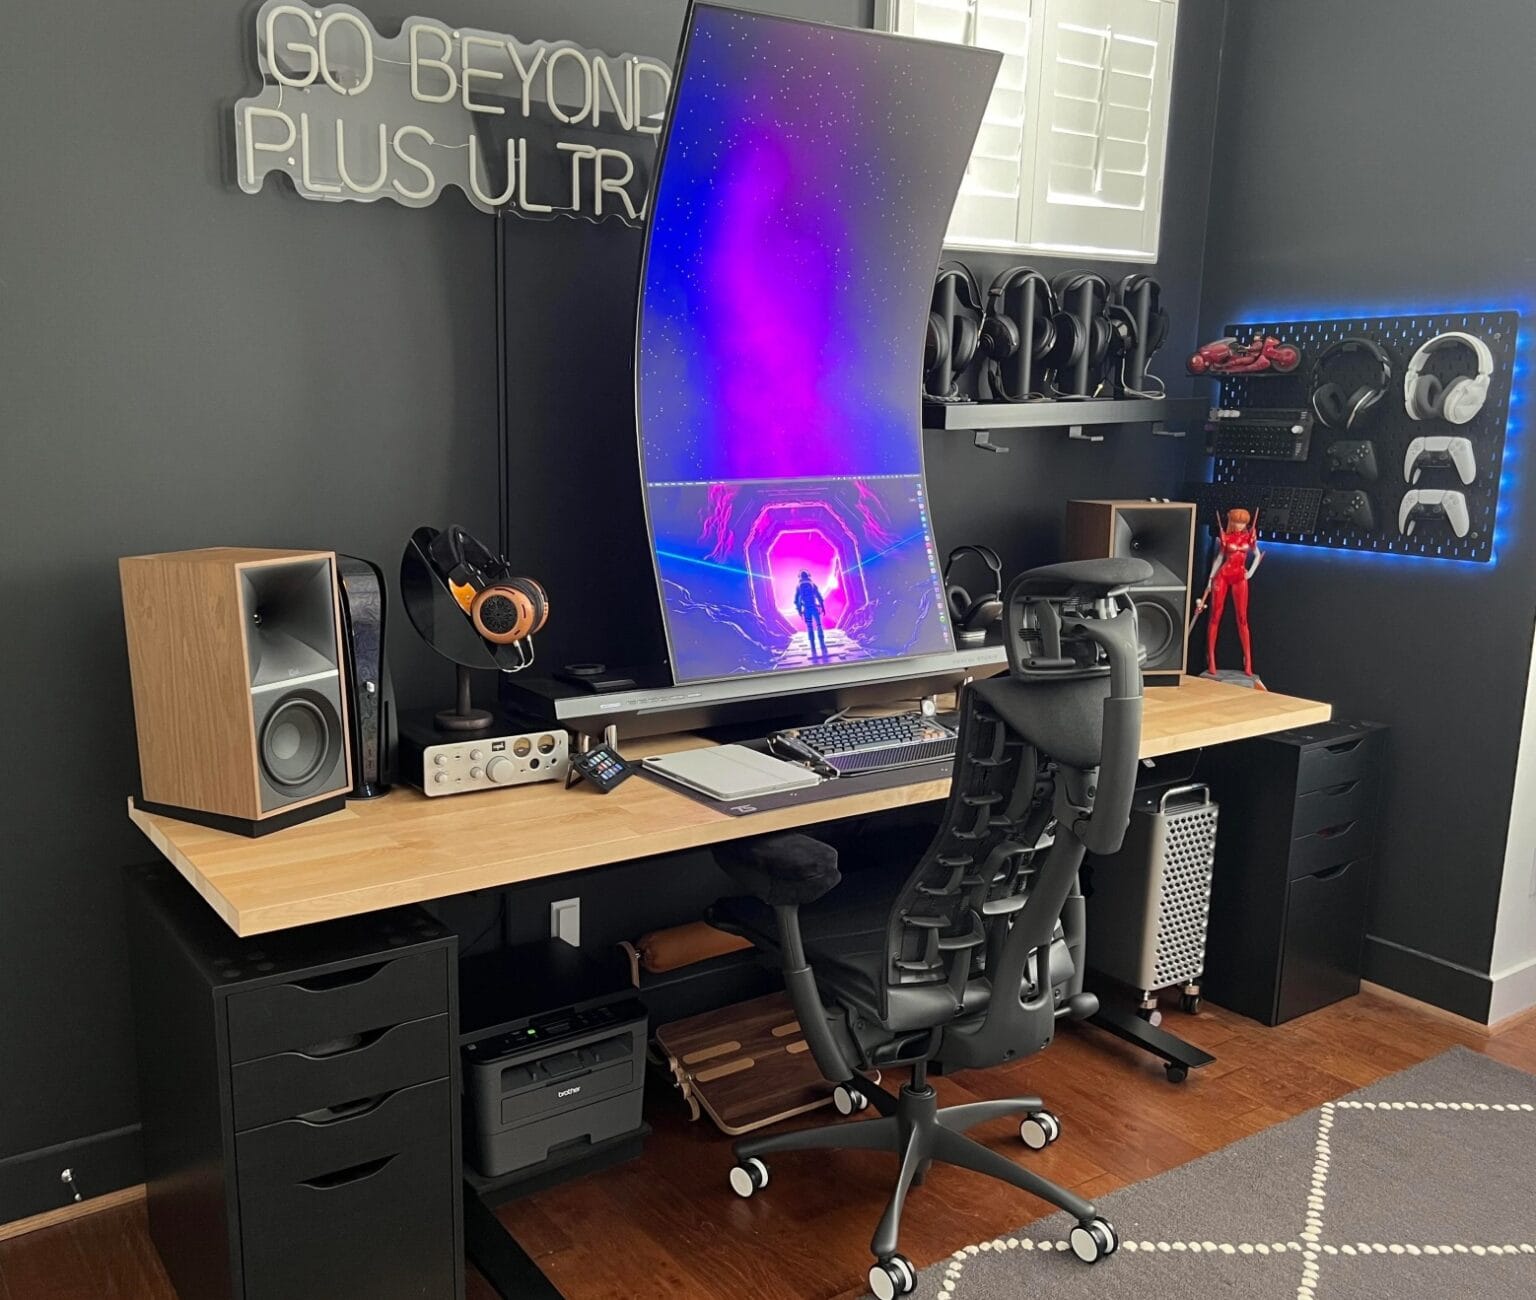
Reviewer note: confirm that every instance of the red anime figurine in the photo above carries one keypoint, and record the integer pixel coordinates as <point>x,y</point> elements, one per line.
<point>1237,559</point>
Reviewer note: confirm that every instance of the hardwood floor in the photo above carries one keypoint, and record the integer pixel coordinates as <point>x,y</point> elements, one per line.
<point>666,1227</point>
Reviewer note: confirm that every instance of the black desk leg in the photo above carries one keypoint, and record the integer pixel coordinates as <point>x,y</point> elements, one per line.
<point>1179,1057</point>
<point>498,1257</point>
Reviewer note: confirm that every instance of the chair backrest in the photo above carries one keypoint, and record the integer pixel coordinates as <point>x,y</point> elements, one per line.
<point>1035,747</point>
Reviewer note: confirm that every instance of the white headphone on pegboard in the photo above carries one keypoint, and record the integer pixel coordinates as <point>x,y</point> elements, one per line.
<point>1455,402</point>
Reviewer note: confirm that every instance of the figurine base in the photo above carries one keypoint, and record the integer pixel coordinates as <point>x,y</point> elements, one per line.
<point>1234,678</point>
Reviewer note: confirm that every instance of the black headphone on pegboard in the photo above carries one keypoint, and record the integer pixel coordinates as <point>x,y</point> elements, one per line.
<point>974,615</point>
<point>1124,334</point>
<point>952,340</point>
<point>1076,337</point>
<point>1330,403</point>
<point>1005,335</point>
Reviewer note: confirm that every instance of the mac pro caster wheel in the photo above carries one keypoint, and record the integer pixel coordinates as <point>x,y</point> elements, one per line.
<point>1093,1240</point>
<point>849,1101</point>
<point>1152,1015</point>
<point>893,1277</point>
<point>1039,1129</point>
<point>1176,1073</point>
<point>1189,1004</point>
<point>749,1177</point>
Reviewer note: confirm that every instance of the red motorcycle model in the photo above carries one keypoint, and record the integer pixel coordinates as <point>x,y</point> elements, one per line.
<point>1231,356</point>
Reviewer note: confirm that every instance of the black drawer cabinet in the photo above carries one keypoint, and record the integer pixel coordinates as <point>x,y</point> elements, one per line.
<point>1293,865</point>
<point>300,1101</point>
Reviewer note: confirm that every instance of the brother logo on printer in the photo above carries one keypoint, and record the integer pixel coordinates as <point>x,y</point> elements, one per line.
<point>569,1092</point>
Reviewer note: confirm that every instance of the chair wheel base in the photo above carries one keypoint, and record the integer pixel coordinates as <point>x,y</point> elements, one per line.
<point>849,1101</point>
<point>749,1177</point>
<point>1039,1129</point>
<point>1093,1239</point>
<point>892,1278</point>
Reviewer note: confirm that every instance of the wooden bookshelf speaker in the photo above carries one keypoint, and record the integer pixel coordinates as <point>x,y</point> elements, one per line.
<point>1163,534</point>
<point>238,696</point>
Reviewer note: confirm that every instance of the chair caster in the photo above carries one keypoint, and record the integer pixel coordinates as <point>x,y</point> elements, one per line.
<point>749,1177</point>
<point>1093,1240</point>
<point>893,1277</point>
<point>1039,1130</point>
<point>849,1101</point>
<point>1176,1073</point>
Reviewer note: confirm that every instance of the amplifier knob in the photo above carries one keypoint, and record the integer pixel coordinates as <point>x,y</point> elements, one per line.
<point>475,755</point>
<point>441,778</point>
<point>475,773</point>
<point>441,760</point>
<point>500,769</point>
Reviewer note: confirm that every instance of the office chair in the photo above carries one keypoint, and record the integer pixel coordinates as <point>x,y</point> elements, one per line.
<point>968,959</point>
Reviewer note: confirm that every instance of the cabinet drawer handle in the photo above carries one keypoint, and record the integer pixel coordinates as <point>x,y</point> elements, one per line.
<point>1332,832</point>
<point>1332,873</point>
<point>342,1046</point>
<point>340,979</point>
<point>345,1110</point>
<point>1342,746</point>
<point>345,1177</point>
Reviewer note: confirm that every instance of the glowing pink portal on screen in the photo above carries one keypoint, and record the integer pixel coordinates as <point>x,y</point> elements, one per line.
<point>788,536</point>
<point>806,550</point>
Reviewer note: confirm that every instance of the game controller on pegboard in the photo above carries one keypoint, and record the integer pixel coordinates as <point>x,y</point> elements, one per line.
<point>1389,435</point>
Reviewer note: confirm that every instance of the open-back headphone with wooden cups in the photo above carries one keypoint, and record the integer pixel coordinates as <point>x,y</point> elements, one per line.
<point>503,606</point>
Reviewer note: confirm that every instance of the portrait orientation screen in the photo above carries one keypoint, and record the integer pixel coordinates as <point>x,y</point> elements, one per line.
<point>806,180</point>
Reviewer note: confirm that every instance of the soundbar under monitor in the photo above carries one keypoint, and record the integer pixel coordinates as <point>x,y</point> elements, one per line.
<point>806,179</point>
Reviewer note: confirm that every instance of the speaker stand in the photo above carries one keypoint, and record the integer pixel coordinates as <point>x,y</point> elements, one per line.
<point>464,717</point>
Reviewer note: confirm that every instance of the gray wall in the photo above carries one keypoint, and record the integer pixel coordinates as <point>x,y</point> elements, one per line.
<point>1367,153</point>
<point>182,364</point>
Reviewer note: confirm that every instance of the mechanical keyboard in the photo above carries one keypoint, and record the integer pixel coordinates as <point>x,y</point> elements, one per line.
<point>853,745</point>
<point>1259,433</point>
<point>1281,509</point>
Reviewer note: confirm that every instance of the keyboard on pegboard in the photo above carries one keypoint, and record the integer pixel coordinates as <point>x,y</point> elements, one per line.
<point>1280,509</point>
<point>1259,433</point>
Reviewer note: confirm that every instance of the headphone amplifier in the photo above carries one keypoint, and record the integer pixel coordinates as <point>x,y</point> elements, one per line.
<point>438,762</point>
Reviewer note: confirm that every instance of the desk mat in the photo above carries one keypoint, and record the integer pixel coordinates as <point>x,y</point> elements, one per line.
<point>836,788</point>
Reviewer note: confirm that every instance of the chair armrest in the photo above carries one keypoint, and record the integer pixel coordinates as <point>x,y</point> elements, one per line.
<point>785,869</point>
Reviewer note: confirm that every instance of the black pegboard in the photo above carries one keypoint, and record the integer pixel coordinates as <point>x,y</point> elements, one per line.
<point>1387,425</point>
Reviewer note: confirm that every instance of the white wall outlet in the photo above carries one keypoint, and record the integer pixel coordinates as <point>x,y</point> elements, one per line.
<point>565,921</point>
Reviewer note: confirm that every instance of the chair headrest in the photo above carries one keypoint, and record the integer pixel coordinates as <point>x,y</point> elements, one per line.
<point>1082,578</point>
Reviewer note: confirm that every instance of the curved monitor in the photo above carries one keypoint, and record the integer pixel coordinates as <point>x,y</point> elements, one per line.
<point>806,179</point>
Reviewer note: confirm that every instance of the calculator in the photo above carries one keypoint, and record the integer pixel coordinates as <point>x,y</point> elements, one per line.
<point>604,766</point>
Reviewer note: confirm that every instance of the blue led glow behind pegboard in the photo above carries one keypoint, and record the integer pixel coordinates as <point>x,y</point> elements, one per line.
<point>1497,433</point>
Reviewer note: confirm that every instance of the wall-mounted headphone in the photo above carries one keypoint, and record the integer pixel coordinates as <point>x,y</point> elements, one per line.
<point>1005,333</point>
<point>1459,400</point>
<point>503,606</point>
<point>1126,336</point>
<point>951,341</point>
<point>1079,334</point>
<point>973,616</point>
<point>1330,403</point>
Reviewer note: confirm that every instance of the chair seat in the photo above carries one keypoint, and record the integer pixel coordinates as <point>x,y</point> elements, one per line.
<point>844,934</point>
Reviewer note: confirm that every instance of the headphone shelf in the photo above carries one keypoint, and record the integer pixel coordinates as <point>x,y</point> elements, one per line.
<point>975,416</point>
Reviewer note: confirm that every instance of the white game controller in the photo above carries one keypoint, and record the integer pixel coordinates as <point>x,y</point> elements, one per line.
<point>1419,502</point>
<point>1440,449</point>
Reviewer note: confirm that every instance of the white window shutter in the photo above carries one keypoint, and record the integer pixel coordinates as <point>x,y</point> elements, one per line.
<point>1070,155</point>
<point>1093,178</point>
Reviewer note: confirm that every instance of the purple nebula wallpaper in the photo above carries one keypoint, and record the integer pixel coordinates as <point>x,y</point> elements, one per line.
<point>776,575</point>
<point>806,180</point>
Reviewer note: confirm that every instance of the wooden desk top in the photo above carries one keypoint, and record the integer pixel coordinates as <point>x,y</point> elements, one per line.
<point>406,848</point>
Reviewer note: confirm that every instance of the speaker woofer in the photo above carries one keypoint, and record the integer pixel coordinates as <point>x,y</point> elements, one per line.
<point>300,740</point>
<point>1156,630</point>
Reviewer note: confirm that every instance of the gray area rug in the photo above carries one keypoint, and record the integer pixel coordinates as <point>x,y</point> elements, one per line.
<point>1420,1187</point>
